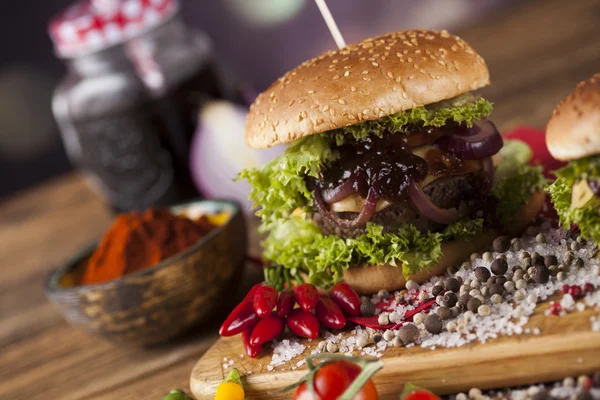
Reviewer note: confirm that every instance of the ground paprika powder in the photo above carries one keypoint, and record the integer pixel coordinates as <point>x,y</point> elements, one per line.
<point>139,240</point>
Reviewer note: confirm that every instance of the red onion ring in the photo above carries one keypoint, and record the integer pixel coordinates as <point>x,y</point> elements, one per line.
<point>428,209</point>
<point>361,219</point>
<point>338,193</point>
<point>484,141</point>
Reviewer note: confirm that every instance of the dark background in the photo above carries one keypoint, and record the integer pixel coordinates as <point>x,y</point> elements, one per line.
<point>255,41</point>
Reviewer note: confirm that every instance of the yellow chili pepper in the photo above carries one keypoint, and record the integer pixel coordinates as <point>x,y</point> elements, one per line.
<point>231,388</point>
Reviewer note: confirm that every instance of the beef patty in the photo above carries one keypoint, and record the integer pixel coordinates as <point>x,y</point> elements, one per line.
<point>468,193</point>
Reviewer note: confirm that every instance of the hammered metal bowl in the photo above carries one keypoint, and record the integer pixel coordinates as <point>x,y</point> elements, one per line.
<point>160,302</point>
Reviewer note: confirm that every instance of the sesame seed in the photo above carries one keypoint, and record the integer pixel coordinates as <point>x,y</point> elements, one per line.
<point>342,101</point>
<point>375,64</point>
<point>365,78</point>
<point>365,72</point>
<point>390,75</point>
<point>304,115</point>
<point>314,106</point>
<point>335,77</point>
<point>325,108</point>
<point>311,92</point>
<point>347,73</point>
<point>353,88</point>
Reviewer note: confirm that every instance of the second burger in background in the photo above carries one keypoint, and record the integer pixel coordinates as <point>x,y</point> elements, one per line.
<point>573,134</point>
<point>390,172</point>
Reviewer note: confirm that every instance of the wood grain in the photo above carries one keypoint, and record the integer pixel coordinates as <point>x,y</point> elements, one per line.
<point>567,346</point>
<point>536,51</point>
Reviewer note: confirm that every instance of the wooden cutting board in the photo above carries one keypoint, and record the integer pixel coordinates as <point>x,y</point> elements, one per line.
<point>566,346</point>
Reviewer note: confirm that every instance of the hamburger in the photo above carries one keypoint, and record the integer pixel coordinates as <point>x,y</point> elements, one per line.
<point>573,135</point>
<point>392,169</point>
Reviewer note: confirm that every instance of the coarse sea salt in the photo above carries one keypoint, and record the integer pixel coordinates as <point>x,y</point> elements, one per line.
<point>506,318</point>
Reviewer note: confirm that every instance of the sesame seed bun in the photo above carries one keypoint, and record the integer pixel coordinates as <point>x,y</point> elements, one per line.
<point>573,131</point>
<point>372,279</point>
<point>374,78</point>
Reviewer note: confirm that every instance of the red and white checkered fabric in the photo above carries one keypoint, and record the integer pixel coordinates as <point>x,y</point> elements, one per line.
<point>91,25</point>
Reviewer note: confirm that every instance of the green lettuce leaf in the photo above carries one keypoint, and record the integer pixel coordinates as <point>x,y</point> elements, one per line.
<point>279,187</point>
<point>464,109</point>
<point>299,246</point>
<point>587,217</point>
<point>515,180</point>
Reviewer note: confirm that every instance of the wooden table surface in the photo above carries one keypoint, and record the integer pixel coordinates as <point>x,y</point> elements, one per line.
<point>536,53</point>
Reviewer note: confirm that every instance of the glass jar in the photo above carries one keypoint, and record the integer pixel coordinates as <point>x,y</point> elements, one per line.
<point>128,107</point>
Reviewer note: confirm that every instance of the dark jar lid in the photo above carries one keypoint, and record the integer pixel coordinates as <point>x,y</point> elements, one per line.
<point>89,26</point>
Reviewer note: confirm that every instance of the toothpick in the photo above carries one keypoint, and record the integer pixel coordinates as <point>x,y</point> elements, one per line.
<point>333,28</point>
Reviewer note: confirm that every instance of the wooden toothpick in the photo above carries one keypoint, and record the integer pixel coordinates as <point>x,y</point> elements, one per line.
<point>333,28</point>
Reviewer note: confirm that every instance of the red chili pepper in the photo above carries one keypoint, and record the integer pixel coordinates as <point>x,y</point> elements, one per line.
<point>265,299</point>
<point>267,329</point>
<point>330,314</point>
<point>307,296</point>
<point>251,350</point>
<point>252,291</point>
<point>302,323</point>
<point>286,302</point>
<point>241,318</point>
<point>346,298</point>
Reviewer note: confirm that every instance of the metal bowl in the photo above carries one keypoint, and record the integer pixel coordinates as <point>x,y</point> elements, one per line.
<point>158,303</point>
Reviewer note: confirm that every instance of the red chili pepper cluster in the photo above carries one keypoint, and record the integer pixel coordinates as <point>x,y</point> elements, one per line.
<point>263,314</point>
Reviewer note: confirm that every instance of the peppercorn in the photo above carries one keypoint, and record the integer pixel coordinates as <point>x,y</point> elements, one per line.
<point>475,256</point>
<point>419,318</point>
<point>553,270</point>
<point>397,342</point>
<point>482,274</point>
<point>332,347</point>
<point>516,244</point>
<point>433,324</point>
<point>561,276</point>
<point>377,337</point>
<point>509,286</point>
<point>485,291</point>
<point>541,395</point>
<point>475,284</point>
<point>540,238</point>
<point>452,284</point>
<point>484,310</point>
<point>575,246</point>
<point>408,333</point>
<point>437,290</point>
<point>388,335</point>
<point>579,263</point>
<point>501,279</point>
<point>550,260</point>
<point>581,240</point>
<point>501,244</point>
<point>497,288</point>
<point>463,300</point>
<point>453,269</point>
<point>499,266</point>
<point>523,255</point>
<point>473,304</point>
<point>383,319</point>
<point>411,285</point>
<point>491,281</point>
<point>383,293</point>
<point>367,309</point>
<point>487,256</point>
<point>526,262</point>
<point>521,284</point>
<point>465,265</point>
<point>496,299</point>
<point>541,274</point>
<point>455,311</point>
<point>444,313</point>
<point>536,258</point>
<point>450,299</point>
<point>568,257</point>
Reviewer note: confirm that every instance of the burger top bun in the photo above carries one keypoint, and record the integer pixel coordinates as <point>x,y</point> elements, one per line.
<point>573,131</point>
<point>365,81</point>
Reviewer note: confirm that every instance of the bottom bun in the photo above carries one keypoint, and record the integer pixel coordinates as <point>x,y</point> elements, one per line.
<point>372,279</point>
